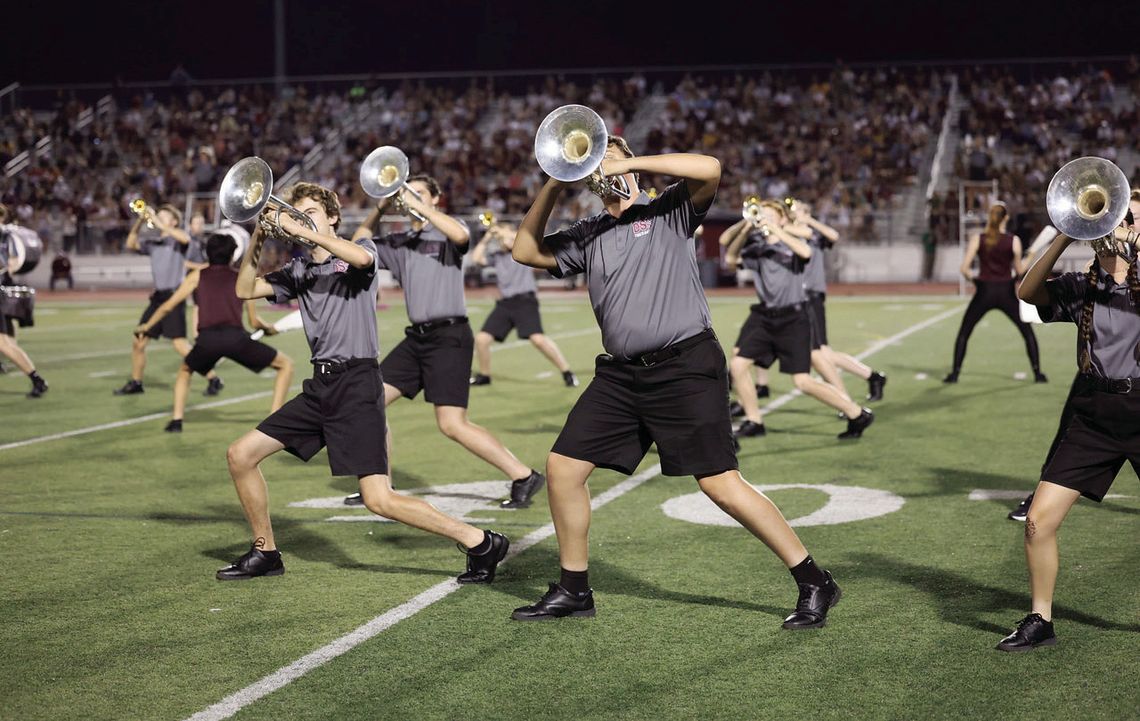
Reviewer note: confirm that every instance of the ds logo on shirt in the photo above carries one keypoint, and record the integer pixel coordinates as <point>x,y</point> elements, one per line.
<point>340,266</point>
<point>642,228</point>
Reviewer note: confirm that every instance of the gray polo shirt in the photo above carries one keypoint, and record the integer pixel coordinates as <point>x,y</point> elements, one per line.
<point>338,304</point>
<point>513,277</point>
<point>778,271</point>
<point>196,251</point>
<point>815,271</point>
<point>641,270</point>
<point>1115,324</point>
<point>167,258</point>
<point>429,268</point>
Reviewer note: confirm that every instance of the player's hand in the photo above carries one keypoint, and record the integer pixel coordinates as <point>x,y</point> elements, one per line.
<point>141,330</point>
<point>290,225</point>
<point>612,166</point>
<point>269,329</point>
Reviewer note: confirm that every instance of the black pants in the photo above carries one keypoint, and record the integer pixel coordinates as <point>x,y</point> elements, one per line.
<point>990,295</point>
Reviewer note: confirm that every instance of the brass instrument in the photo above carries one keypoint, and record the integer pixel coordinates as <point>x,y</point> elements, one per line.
<point>487,218</point>
<point>751,209</point>
<point>790,207</point>
<point>140,208</point>
<point>384,173</point>
<point>1087,199</point>
<point>247,190</point>
<point>570,145</point>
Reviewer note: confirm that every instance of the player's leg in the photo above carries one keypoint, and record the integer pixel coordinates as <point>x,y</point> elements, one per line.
<point>1009,307</point>
<point>821,362</point>
<point>12,350</point>
<point>454,423</point>
<point>740,368</point>
<point>283,367</point>
<point>483,341</point>
<point>181,390</point>
<point>978,307</point>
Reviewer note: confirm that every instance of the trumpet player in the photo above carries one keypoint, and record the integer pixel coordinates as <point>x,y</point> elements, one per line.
<point>342,406</point>
<point>517,307</point>
<point>435,354</point>
<point>662,378</point>
<point>8,345</point>
<point>779,327</point>
<point>166,244</point>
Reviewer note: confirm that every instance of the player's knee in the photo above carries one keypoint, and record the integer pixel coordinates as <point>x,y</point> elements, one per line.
<point>282,362</point>
<point>536,339</point>
<point>240,456</point>
<point>740,364</point>
<point>802,381</point>
<point>452,426</point>
<point>483,339</point>
<point>380,502</point>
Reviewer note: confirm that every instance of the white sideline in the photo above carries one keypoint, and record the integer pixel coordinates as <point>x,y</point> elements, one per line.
<point>216,404</point>
<point>285,675</point>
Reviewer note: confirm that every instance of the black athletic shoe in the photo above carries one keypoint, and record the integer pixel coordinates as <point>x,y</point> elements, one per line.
<point>1031,632</point>
<point>950,378</point>
<point>1039,377</point>
<point>130,388</point>
<point>875,386</point>
<point>856,426</point>
<point>254,563</point>
<point>570,379</point>
<point>354,500</point>
<point>813,604</point>
<point>523,490</point>
<point>173,427</point>
<point>480,380</point>
<point>750,429</point>
<point>39,387</point>
<point>481,568</point>
<point>762,391</point>
<point>557,603</point>
<point>214,387</point>
<point>735,409</point>
<point>1022,510</point>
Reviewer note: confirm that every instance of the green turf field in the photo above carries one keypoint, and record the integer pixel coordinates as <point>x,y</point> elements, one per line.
<point>110,540</point>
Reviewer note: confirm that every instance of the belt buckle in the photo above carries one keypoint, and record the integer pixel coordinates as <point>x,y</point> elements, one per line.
<point>323,367</point>
<point>1129,390</point>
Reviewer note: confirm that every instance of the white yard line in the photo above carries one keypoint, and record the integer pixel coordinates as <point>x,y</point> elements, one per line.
<point>285,675</point>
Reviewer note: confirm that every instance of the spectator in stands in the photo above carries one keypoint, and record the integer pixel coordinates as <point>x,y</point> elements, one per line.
<point>61,270</point>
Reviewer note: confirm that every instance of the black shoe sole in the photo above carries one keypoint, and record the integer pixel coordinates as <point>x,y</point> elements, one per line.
<point>588,613</point>
<point>1023,649</point>
<point>515,504</point>
<point>822,621</point>
<point>1015,517</point>
<point>354,500</point>
<point>275,572</point>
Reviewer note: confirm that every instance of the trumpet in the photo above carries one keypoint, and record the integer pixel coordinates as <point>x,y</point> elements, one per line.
<point>1087,199</point>
<point>247,190</point>
<point>790,207</point>
<point>570,145</point>
<point>384,173</point>
<point>751,209</point>
<point>487,218</point>
<point>140,208</point>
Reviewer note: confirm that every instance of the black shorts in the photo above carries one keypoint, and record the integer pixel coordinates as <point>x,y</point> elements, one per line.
<point>7,325</point>
<point>344,411</point>
<point>818,317</point>
<point>438,362</point>
<point>519,312</point>
<point>680,403</point>
<point>173,325</point>
<point>1102,433</point>
<point>784,334</point>
<point>213,344</point>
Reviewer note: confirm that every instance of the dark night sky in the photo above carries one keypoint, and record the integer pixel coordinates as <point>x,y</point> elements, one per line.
<point>96,41</point>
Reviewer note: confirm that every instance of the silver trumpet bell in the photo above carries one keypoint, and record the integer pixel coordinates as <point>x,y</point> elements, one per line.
<point>384,173</point>
<point>1087,199</point>
<point>247,190</point>
<point>570,144</point>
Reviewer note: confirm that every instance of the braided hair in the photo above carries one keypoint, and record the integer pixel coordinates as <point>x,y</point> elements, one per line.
<point>1084,326</point>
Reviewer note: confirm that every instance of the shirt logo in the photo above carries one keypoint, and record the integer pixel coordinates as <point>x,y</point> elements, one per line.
<point>642,227</point>
<point>340,266</point>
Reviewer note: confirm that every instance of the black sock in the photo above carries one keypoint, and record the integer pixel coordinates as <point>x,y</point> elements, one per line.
<point>575,581</point>
<point>482,547</point>
<point>808,572</point>
<point>272,553</point>
<point>35,376</point>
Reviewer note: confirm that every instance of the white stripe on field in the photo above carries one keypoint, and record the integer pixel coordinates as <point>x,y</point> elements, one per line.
<point>233,703</point>
<point>285,675</point>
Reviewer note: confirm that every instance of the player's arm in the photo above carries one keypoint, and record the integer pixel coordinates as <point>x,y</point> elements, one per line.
<point>799,230</point>
<point>735,242</point>
<point>1032,289</point>
<point>823,229</point>
<point>255,321</point>
<point>248,285</point>
<point>1018,262</point>
<point>700,172</point>
<point>798,245</point>
<point>968,258</point>
<point>367,229</point>
<point>346,250</point>
<point>479,252</point>
<point>529,248</point>
<point>172,230</point>
<point>181,293</point>
<point>133,235</point>
<point>455,230</point>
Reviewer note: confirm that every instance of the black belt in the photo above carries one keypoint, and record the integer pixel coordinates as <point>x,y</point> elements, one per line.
<point>670,351</point>
<point>528,294</point>
<point>331,367</point>
<point>813,294</point>
<point>429,326</point>
<point>1110,385</point>
<point>779,312</point>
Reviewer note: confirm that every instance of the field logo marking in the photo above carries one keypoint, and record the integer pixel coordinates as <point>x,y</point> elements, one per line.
<point>845,504</point>
<point>457,500</point>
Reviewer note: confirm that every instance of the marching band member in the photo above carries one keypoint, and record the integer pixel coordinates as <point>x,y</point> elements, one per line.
<point>8,345</point>
<point>342,406</point>
<point>662,379</point>
<point>517,307</point>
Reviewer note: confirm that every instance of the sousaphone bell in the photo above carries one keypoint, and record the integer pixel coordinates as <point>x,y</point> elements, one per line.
<point>384,173</point>
<point>570,144</point>
<point>247,190</point>
<point>1087,199</point>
